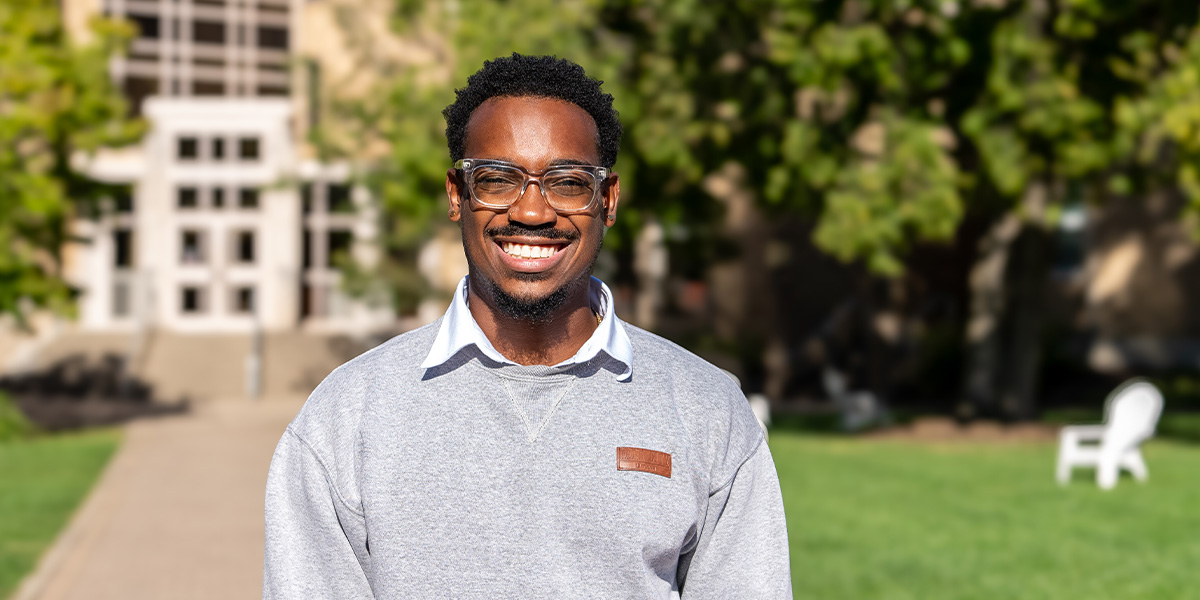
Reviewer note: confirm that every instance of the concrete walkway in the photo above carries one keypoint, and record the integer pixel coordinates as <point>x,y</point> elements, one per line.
<point>177,514</point>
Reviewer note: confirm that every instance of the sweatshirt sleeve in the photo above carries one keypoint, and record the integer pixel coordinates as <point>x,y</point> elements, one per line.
<point>316,543</point>
<point>742,551</point>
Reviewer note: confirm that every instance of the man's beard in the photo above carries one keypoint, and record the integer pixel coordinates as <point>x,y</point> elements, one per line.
<point>536,311</point>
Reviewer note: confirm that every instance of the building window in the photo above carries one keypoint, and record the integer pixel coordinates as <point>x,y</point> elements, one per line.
<point>208,88</point>
<point>339,198</point>
<point>306,198</point>
<point>306,305</point>
<point>205,61</point>
<point>189,197</point>
<point>191,300</point>
<point>189,148</point>
<point>122,248</point>
<point>208,32</point>
<point>218,148</point>
<point>243,299</point>
<point>120,305</point>
<point>243,251</point>
<point>306,248</point>
<point>339,246</point>
<point>248,198</point>
<point>218,197</point>
<point>137,89</point>
<point>191,247</point>
<point>272,90</point>
<point>272,8</point>
<point>273,38</point>
<point>147,25</point>
<point>248,148</point>
<point>123,201</point>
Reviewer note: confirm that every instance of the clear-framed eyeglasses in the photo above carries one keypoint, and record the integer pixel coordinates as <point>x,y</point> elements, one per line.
<point>568,189</point>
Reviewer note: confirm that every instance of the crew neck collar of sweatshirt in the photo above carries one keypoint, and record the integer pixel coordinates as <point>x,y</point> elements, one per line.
<point>459,330</point>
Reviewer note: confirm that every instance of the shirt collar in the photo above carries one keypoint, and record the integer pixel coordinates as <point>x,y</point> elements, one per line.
<point>459,330</point>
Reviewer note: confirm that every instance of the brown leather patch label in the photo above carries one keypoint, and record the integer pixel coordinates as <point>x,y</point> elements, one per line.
<point>641,459</point>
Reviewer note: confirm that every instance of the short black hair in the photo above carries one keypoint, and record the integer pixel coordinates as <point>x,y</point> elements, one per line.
<point>520,76</point>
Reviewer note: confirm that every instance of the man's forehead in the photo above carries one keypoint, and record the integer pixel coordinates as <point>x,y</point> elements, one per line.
<point>522,128</point>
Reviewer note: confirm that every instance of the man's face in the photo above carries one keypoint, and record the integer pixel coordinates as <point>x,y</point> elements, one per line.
<point>534,133</point>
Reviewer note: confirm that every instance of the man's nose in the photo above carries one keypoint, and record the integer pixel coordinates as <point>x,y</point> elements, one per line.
<point>531,208</point>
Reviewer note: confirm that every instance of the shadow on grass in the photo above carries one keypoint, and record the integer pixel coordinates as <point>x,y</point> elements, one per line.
<point>1183,427</point>
<point>828,424</point>
<point>76,392</point>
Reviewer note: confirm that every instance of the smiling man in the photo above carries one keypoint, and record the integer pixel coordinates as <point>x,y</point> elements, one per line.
<point>528,444</point>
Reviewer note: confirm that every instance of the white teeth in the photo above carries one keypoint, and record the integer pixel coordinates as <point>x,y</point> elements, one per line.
<point>525,251</point>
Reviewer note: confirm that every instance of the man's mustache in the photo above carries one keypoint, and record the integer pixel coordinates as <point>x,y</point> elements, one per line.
<point>546,233</point>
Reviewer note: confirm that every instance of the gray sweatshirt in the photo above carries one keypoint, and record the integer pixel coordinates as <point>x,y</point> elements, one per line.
<point>476,479</point>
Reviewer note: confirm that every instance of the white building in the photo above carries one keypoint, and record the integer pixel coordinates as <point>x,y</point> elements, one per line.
<point>226,228</point>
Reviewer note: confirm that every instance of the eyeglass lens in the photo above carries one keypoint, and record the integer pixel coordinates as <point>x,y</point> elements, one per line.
<point>564,188</point>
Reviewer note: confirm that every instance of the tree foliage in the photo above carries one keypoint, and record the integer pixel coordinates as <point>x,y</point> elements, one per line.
<point>56,103</point>
<point>888,120</point>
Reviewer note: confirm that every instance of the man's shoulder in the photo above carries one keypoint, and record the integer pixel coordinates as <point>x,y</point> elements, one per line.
<point>659,361</point>
<point>709,401</point>
<point>404,351</point>
<point>339,400</point>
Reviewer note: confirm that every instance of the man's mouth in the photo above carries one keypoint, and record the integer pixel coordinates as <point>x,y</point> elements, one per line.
<point>529,250</point>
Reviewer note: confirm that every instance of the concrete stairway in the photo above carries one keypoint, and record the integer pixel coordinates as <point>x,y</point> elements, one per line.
<point>205,367</point>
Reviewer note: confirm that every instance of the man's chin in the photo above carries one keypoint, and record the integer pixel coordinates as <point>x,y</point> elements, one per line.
<point>532,277</point>
<point>532,309</point>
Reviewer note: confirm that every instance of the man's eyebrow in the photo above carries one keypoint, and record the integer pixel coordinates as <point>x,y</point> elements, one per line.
<point>558,162</point>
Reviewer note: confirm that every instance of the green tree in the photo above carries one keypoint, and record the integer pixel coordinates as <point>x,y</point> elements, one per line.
<point>893,119</point>
<point>57,104</point>
<point>1075,97</point>
<point>889,121</point>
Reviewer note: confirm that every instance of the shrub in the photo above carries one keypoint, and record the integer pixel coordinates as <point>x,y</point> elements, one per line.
<point>13,423</point>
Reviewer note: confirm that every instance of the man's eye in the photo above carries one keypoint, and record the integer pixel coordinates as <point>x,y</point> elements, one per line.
<point>570,185</point>
<point>494,182</point>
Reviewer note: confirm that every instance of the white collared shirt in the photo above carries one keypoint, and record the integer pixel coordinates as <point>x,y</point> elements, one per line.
<point>459,330</point>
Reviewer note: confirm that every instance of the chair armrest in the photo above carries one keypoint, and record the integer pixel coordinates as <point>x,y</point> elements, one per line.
<point>1082,432</point>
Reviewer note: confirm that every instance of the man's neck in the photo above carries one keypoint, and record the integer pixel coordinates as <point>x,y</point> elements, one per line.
<point>545,342</point>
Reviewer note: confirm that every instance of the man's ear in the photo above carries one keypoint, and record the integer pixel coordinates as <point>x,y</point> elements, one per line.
<point>612,196</point>
<point>453,194</point>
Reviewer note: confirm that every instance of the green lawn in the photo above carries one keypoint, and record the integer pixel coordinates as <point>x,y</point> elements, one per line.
<point>42,480</point>
<point>876,519</point>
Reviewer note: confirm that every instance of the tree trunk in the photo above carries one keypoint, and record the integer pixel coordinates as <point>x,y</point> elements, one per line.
<point>1007,288</point>
<point>1028,274</point>
<point>650,264</point>
<point>983,335</point>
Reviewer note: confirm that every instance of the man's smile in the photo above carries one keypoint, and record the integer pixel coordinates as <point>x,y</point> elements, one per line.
<point>530,250</point>
<point>530,255</point>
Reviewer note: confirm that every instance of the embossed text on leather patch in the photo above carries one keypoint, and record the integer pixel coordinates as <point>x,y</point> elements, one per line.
<point>641,459</point>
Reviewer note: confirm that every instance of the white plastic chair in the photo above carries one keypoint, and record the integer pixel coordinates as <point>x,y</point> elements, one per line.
<point>1131,413</point>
